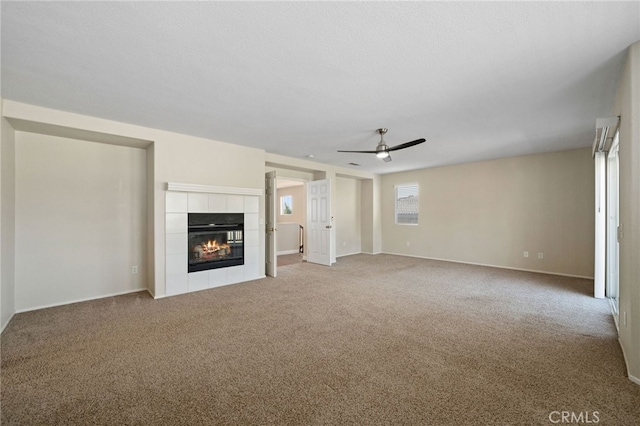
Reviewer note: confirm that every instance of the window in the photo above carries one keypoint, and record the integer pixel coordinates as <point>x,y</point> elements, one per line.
<point>286,205</point>
<point>407,204</point>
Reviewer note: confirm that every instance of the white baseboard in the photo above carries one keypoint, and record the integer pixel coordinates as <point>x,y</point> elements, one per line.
<point>281,253</point>
<point>492,266</point>
<point>626,364</point>
<point>349,254</point>
<point>69,302</point>
<point>614,315</point>
<point>259,277</point>
<point>7,323</point>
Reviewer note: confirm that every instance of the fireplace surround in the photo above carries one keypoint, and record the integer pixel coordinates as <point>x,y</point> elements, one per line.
<point>182,200</point>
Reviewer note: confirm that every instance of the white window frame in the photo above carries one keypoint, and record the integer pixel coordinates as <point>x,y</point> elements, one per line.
<point>406,187</point>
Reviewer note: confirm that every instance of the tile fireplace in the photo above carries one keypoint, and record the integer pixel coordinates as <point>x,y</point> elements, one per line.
<point>214,236</point>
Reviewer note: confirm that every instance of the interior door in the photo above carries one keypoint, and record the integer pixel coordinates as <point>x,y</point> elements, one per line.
<point>271,251</point>
<point>613,223</point>
<point>319,222</point>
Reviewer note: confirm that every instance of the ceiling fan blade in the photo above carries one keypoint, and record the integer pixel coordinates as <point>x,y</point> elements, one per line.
<point>406,145</point>
<point>361,152</point>
<point>387,158</point>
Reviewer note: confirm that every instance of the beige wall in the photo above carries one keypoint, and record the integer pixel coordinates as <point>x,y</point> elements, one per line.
<point>490,212</point>
<point>80,220</point>
<point>186,159</point>
<point>371,217</point>
<point>348,219</point>
<point>288,173</point>
<point>7,224</point>
<point>288,240</point>
<point>171,157</point>
<point>627,106</point>
<point>370,195</point>
<point>299,209</point>
<point>151,238</point>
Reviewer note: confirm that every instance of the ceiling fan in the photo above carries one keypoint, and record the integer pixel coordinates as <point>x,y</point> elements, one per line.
<point>382,150</point>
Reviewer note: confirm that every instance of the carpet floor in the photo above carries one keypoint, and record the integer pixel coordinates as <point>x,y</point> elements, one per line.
<point>289,259</point>
<point>372,340</point>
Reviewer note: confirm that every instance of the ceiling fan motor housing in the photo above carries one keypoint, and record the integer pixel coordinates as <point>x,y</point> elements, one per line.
<point>382,148</point>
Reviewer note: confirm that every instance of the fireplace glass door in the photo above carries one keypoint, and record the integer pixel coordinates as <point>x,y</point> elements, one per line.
<point>215,241</point>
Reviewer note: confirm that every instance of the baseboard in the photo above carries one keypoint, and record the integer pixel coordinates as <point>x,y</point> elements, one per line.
<point>492,266</point>
<point>259,277</point>
<point>281,253</point>
<point>8,321</point>
<point>614,315</point>
<point>349,254</point>
<point>371,253</point>
<point>626,364</point>
<point>81,300</point>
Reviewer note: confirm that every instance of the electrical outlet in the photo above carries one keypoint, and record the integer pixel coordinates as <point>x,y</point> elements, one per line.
<point>134,269</point>
<point>408,243</point>
<point>344,244</point>
<point>526,254</point>
<point>540,255</point>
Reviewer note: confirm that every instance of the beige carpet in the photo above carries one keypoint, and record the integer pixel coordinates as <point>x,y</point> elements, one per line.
<point>289,259</point>
<point>372,340</point>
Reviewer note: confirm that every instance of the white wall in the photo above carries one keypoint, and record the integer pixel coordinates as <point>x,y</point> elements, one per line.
<point>348,216</point>
<point>490,212</point>
<point>80,220</point>
<point>7,225</point>
<point>627,106</point>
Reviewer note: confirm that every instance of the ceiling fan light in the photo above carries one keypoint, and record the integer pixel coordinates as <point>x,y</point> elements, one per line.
<point>382,154</point>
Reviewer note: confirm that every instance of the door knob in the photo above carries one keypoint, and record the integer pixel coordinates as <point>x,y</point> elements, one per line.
<point>328,226</point>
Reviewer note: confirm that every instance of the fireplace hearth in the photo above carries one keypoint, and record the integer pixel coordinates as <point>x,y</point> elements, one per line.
<point>216,240</point>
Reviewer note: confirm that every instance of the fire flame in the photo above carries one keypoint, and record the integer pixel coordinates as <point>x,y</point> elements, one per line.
<point>211,249</point>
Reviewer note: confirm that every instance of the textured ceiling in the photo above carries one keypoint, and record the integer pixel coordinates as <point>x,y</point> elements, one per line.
<point>477,80</point>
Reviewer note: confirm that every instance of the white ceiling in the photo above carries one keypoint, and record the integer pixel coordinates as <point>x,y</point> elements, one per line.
<point>478,80</point>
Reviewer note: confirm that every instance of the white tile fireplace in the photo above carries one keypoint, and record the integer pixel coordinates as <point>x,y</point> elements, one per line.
<point>182,199</point>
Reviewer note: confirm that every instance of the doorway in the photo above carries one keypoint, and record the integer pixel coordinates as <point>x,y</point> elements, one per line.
<point>291,220</point>
<point>286,206</point>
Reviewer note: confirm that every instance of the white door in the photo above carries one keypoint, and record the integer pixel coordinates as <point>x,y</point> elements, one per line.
<point>319,222</point>
<point>271,255</point>
<point>613,222</point>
